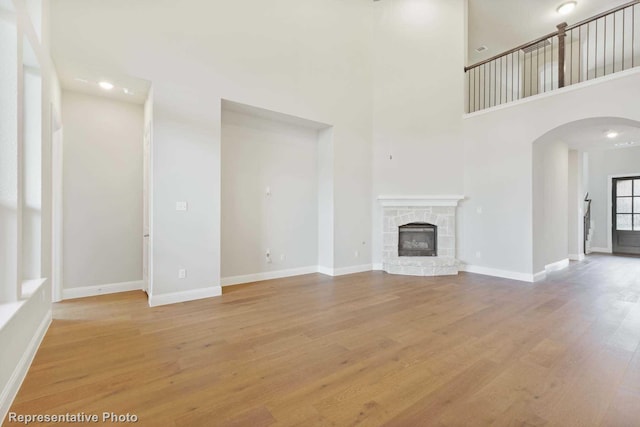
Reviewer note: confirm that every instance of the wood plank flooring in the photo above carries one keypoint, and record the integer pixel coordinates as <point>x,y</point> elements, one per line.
<point>365,349</point>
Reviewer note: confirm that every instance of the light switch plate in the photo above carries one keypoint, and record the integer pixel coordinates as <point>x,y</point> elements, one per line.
<point>181,206</point>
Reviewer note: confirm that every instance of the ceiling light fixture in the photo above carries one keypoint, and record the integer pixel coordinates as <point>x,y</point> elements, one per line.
<point>127,91</point>
<point>566,8</point>
<point>481,49</point>
<point>611,134</point>
<point>106,85</point>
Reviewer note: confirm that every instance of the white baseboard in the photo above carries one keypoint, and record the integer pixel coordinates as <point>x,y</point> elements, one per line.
<point>505,274</point>
<point>109,288</point>
<point>279,274</point>
<point>550,268</point>
<point>556,266</point>
<point>268,275</point>
<point>345,270</point>
<point>20,371</point>
<point>190,295</point>
<point>324,270</point>
<point>540,275</point>
<point>601,250</point>
<point>576,257</point>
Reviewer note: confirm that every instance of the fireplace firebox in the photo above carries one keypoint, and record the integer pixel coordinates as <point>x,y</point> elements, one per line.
<point>418,239</point>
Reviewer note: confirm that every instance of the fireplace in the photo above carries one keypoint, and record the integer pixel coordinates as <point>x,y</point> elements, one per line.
<point>418,239</point>
<point>405,221</point>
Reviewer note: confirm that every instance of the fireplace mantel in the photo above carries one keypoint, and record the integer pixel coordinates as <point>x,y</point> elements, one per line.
<point>420,200</point>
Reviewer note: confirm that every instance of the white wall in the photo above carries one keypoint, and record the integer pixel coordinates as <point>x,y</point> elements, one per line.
<point>575,206</point>
<point>418,100</point>
<point>260,153</point>
<point>498,166</point>
<point>310,59</point>
<point>25,315</point>
<point>602,164</point>
<point>550,203</point>
<point>102,190</point>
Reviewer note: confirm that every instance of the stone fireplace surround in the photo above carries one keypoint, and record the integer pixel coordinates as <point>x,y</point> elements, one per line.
<point>437,210</point>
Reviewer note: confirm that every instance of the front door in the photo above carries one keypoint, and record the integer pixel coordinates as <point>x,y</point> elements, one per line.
<point>626,215</point>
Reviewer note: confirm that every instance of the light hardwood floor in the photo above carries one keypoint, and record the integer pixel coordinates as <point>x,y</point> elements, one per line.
<point>364,349</point>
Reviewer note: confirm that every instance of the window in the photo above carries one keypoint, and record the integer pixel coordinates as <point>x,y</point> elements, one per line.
<point>627,204</point>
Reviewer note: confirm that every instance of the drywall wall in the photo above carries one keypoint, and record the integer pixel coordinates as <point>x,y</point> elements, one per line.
<point>575,205</point>
<point>550,203</point>
<point>602,164</point>
<point>24,322</point>
<point>269,195</point>
<point>307,59</point>
<point>496,225</point>
<point>418,98</point>
<point>102,183</point>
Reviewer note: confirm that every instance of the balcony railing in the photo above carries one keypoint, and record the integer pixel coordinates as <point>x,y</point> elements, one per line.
<point>601,45</point>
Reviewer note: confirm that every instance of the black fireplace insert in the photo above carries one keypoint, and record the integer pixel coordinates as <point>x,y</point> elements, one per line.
<point>418,239</point>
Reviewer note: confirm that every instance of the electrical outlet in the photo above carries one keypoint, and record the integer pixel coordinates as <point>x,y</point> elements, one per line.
<point>479,210</point>
<point>357,254</point>
<point>478,254</point>
<point>268,256</point>
<point>182,273</point>
<point>283,257</point>
<point>181,206</point>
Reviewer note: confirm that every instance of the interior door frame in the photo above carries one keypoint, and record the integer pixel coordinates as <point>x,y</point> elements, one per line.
<point>57,208</point>
<point>610,179</point>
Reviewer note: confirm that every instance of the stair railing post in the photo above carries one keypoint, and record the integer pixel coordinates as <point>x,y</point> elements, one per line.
<point>562,35</point>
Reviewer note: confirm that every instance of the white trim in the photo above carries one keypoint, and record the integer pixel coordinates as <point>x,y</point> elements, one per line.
<point>571,88</point>
<point>420,200</point>
<point>29,287</point>
<point>505,274</point>
<point>539,276</point>
<point>557,266</point>
<point>377,267</point>
<point>109,288</point>
<point>609,248</point>
<point>20,371</point>
<point>345,270</point>
<point>602,250</point>
<point>267,275</point>
<point>576,257</point>
<point>190,295</point>
<point>57,191</point>
<point>324,270</point>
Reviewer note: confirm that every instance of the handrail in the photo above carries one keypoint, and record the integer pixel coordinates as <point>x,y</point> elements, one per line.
<point>603,14</point>
<point>586,223</point>
<point>514,50</point>
<point>554,34</point>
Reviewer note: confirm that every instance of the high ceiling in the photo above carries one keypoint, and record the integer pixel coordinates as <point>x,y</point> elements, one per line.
<point>504,24</point>
<point>591,134</point>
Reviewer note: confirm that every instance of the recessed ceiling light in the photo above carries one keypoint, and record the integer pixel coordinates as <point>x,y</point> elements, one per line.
<point>566,8</point>
<point>78,79</point>
<point>127,91</point>
<point>481,49</point>
<point>106,85</point>
<point>625,144</point>
<point>611,134</point>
